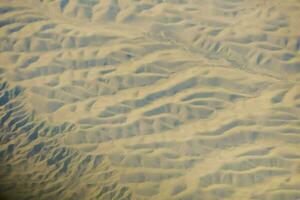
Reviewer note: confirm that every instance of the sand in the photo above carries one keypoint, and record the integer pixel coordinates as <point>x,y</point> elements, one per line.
<point>150,99</point>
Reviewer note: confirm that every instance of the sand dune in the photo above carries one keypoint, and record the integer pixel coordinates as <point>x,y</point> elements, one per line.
<point>153,99</point>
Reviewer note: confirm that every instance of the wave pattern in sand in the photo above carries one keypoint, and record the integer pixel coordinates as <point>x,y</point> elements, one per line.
<point>154,99</point>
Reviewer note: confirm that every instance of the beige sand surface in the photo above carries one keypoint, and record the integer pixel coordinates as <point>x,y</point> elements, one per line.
<point>150,99</point>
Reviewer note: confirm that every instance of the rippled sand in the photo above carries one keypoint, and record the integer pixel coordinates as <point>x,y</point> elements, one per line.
<point>150,99</point>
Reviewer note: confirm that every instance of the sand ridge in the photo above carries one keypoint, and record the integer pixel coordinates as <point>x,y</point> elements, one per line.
<point>154,99</point>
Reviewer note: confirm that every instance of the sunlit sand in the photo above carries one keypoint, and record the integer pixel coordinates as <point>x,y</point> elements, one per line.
<point>150,99</point>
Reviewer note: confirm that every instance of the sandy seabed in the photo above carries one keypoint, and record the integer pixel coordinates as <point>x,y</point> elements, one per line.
<point>150,99</point>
